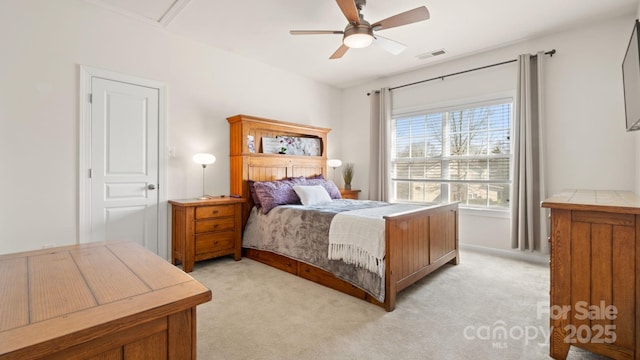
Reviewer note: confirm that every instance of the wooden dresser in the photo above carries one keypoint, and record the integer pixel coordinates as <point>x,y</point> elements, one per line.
<point>595,273</point>
<point>205,229</point>
<point>109,300</point>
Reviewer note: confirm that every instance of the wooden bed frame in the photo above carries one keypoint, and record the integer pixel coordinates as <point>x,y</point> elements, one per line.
<point>417,242</point>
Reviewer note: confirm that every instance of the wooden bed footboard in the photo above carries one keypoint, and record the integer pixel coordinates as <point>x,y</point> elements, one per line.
<point>417,243</point>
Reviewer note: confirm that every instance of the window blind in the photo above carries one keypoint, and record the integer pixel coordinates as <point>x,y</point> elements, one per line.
<point>458,154</point>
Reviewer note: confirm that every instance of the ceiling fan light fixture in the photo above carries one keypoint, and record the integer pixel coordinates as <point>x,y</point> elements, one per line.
<point>359,33</point>
<point>358,36</point>
<point>358,41</point>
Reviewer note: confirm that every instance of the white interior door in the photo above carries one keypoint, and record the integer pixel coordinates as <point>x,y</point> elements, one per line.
<point>124,162</point>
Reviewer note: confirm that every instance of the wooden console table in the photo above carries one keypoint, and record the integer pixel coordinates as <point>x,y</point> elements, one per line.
<point>108,300</point>
<point>595,273</point>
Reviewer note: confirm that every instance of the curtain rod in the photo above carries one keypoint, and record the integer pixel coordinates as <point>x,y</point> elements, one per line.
<point>550,53</point>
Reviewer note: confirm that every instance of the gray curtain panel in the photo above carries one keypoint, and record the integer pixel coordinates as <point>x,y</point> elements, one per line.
<point>528,219</point>
<point>380,123</point>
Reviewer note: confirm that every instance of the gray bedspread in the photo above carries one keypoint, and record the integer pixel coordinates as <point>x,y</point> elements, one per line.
<point>302,233</point>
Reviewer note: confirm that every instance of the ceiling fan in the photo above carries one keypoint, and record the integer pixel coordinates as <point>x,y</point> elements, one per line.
<point>359,33</point>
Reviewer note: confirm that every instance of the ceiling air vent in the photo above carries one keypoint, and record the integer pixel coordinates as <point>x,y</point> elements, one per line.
<point>431,54</point>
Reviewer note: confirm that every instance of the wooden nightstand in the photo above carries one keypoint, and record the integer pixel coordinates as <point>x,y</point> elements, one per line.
<point>349,194</point>
<point>204,229</point>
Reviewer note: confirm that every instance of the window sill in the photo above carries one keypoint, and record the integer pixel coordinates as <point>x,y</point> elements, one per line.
<point>469,211</point>
<point>504,214</point>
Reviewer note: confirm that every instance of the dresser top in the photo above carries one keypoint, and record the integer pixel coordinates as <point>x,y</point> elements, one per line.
<point>58,294</point>
<point>595,200</point>
<point>214,200</point>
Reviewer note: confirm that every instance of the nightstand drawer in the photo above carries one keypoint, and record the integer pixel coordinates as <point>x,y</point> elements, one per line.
<point>204,212</point>
<point>213,242</point>
<point>215,224</point>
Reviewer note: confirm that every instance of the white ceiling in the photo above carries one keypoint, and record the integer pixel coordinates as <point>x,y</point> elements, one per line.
<point>259,29</point>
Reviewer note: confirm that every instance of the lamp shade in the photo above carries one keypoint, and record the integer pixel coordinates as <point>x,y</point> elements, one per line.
<point>334,163</point>
<point>204,158</point>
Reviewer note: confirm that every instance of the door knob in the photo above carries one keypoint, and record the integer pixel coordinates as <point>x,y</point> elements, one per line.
<point>151,187</point>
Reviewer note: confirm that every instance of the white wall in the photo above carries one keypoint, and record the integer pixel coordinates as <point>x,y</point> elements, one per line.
<point>44,42</point>
<point>587,146</point>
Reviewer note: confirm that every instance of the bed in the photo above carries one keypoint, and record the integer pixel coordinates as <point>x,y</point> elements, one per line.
<point>416,242</point>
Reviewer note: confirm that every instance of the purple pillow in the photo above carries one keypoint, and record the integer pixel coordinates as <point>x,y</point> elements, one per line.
<point>302,178</point>
<point>296,180</point>
<point>274,193</point>
<point>331,188</point>
<point>252,191</point>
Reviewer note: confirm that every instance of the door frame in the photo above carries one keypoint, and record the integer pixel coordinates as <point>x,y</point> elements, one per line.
<point>84,152</point>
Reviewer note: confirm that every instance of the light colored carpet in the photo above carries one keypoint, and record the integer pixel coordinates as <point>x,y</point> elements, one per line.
<point>259,312</point>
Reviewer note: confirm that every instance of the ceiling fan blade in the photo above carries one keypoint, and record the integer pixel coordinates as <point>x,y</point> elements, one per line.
<point>350,10</point>
<point>407,17</point>
<point>315,32</point>
<point>389,45</point>
<point>340,52</point>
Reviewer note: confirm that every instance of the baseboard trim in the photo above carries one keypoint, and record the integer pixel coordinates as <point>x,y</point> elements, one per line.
<point>536,258</point>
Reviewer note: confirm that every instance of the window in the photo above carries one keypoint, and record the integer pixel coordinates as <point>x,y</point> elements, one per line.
<point>461,154</point>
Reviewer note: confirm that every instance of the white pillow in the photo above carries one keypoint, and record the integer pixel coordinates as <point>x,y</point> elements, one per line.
<point>311,195</point>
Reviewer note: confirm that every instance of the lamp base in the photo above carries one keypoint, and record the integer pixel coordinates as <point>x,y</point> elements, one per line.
<point>205,197</point>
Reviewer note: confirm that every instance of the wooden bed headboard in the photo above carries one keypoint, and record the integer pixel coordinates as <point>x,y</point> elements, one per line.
<point>258,166</point>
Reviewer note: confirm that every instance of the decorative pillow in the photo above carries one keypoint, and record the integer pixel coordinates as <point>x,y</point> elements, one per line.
<point>312,194</point>
<point>301,179</point>
<point>331,188</point>
<point>252,192</point>
<point>274,193</point>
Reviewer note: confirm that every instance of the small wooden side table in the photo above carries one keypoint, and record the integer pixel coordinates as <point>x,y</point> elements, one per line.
<point>205,229</point>
<point>349,194</point>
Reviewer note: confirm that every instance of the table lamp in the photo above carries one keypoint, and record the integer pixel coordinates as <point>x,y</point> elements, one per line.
<point>334,163</point>
<point>204,159</point>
